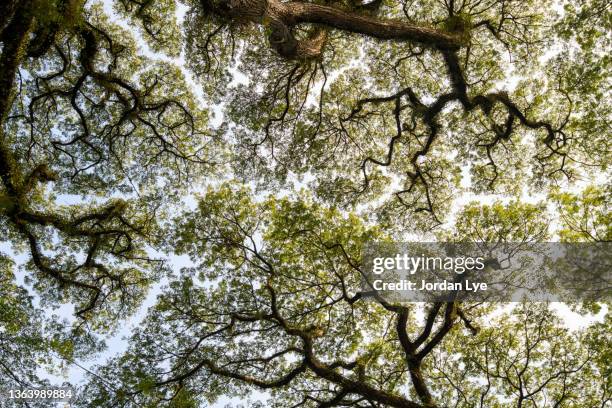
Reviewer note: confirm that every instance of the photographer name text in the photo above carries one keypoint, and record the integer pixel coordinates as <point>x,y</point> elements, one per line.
<point>403,285</point>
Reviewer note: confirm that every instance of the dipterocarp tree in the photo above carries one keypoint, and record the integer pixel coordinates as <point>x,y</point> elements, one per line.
<point>93,139</point>
<point>30,340</point>
<point>91,136</point>
<point>388,111</point>
<point>275,302</point>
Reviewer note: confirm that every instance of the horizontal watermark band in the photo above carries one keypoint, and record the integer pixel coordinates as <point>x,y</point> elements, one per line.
<point>490,272</point>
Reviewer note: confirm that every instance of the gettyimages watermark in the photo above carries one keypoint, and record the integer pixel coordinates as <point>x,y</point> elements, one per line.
<point>489,272</point>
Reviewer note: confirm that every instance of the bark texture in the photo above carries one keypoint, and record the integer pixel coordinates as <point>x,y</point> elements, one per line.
<point>283,17</point>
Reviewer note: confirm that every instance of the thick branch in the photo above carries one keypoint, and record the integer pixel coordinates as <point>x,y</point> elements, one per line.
<point>384,29</point>
<point>284,17</point>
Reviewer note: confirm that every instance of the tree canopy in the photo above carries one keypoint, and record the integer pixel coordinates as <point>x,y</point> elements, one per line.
<point>268,141</point>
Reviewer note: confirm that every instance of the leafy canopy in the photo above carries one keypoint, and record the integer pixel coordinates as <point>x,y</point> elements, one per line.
<point>114,117</point>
